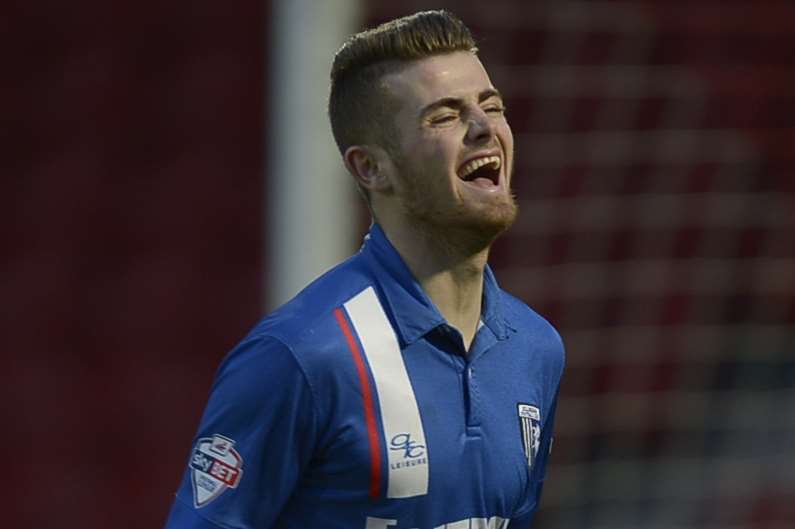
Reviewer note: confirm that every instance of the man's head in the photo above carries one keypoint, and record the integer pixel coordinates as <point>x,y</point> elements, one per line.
<point>359,107</point>
<point>421,127</point>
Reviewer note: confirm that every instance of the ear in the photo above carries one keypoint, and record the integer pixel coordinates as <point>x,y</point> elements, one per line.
<point>368,164</point>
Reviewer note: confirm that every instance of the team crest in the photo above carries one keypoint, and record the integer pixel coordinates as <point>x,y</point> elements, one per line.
<point>530,427</point>
<point>215,466</point>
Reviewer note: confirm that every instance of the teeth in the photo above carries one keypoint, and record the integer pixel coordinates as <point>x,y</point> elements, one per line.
<point>474,165</point>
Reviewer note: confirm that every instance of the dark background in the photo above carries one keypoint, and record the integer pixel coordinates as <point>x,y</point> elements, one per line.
<point>655,156</point>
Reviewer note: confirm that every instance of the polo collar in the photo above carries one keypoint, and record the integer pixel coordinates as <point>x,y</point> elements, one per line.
<point>413,313</point>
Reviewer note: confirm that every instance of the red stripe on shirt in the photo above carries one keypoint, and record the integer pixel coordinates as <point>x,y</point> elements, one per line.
<point>369,406</point>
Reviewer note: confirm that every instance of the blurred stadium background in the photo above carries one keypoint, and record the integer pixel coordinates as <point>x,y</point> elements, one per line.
<point>152,164</point>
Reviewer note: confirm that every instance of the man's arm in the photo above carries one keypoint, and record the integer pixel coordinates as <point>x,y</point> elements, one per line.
<point>538,472</point>
<point>255,438</point>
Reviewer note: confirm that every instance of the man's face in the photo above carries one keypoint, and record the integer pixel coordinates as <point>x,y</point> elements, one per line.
<point>453,156</point>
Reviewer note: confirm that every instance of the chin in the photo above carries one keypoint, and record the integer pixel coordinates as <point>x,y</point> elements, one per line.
<point>482,226</point>
<point>474,224</point>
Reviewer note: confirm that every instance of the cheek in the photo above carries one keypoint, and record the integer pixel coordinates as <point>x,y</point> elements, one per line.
<point>427,163</point>
<point>432,159</point>
<point>507,136</point>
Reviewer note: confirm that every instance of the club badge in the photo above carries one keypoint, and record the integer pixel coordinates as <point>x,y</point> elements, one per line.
<point>215,466</point>
<point>530,428</point>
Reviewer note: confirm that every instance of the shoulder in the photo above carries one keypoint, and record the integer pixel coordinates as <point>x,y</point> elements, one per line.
<point>535,330</point>
<point>315,304</point>
<point>258,365</point>
<point>306,326</point>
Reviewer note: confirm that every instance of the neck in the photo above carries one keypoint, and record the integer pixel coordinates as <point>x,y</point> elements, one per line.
<point>449,266</point>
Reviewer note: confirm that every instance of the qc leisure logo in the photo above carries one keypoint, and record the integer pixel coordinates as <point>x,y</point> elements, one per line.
<point>412,451</point>
<point>215,466</point>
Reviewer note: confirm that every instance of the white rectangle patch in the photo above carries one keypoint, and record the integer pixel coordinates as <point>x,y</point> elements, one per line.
<point>529,412</point>
<point>407,455</point>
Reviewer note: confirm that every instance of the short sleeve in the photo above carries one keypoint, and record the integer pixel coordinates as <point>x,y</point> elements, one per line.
<point>256,437</point>
<point>523,519</point>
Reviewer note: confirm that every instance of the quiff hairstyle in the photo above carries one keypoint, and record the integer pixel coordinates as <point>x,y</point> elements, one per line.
<point>359,107</point>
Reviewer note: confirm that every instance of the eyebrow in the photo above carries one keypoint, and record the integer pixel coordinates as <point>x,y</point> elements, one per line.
<point>456,102</point>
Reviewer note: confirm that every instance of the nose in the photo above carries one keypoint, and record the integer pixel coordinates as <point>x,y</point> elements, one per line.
<point>481,127</point>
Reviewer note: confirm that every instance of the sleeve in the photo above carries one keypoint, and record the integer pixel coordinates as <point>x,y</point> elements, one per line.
<point>523,520</point>
<point>256,437</point>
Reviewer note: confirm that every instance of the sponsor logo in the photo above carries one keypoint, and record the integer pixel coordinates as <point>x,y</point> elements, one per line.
<point>413,452</point>
<point>402,441</point>
<point>215,466</point>
<point>530,429</point>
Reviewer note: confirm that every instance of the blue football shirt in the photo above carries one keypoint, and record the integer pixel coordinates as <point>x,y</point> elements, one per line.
<point>356,406</point>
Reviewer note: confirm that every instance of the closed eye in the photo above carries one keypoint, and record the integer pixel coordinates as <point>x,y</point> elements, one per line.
<point>444,118</point>
<point>496,109</point>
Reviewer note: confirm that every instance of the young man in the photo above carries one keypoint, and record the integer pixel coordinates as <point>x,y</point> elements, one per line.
<point>403,389</point>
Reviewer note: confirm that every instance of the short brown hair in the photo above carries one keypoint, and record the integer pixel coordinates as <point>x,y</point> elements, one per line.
<point>357,105</point>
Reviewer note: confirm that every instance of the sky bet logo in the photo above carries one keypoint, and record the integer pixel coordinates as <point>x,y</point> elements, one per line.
<point>412,451</point>
<point>215,466</point>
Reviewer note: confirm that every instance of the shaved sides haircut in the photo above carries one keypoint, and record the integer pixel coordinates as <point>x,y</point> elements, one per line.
<point>359,108</point>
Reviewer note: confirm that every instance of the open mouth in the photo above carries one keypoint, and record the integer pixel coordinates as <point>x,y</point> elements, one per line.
<point>483,171</point>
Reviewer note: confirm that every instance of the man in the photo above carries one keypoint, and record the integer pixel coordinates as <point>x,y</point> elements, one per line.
<point>403,389</point>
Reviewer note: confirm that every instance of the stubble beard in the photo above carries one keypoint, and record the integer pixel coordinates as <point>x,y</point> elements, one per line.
<point>472,226</point>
